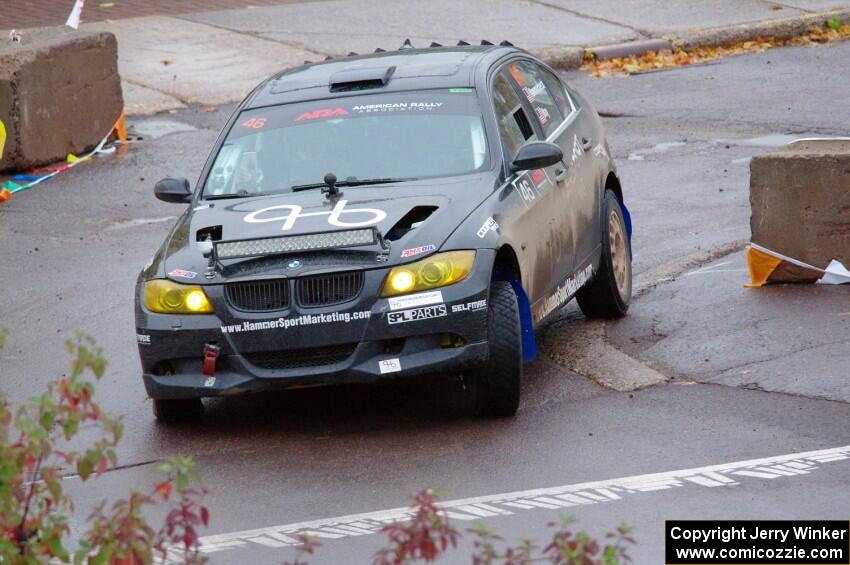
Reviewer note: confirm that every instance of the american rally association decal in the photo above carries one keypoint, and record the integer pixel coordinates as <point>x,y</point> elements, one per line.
<point>469,306</point>
<point>366,216</point>
<point>418,250</point>
<point>564,292</point>
<point>397,107</point>
<point>300,321</point>
<point>417,314</point>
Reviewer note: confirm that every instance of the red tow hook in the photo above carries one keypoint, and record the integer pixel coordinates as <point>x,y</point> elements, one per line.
<point>210,356</point>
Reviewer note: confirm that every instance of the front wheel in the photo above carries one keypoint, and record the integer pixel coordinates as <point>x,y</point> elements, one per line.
<point>177,409</point>
<point>496,386</point>
<point>610,292</point>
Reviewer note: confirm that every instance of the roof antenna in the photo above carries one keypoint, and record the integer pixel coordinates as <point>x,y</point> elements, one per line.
<point>485,42</point>
<point>379,50</point>
<point>406,45</point>
<point>462,42</point>
<point>434,44</point>
<point>506,43</point>
<point>352,54</point>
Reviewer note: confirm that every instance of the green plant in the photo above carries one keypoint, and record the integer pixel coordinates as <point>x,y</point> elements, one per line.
<point>36,456</point>
<point>834,24</point>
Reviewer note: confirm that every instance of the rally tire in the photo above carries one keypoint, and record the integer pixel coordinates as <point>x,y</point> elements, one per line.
<point>609,293</point>
<point>496,386</point>
<point>177,409</point>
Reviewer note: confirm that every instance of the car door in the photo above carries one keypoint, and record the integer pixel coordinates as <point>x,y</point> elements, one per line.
<point>529,223</point>
<point>557,119</point>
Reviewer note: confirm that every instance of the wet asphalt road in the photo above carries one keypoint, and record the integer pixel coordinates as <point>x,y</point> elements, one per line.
<point>72,249</point>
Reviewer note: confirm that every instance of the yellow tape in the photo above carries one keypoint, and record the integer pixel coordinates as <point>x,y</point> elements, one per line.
<point>2,138</point>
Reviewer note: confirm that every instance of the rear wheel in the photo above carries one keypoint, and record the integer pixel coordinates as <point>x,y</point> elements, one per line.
<point>496,386</point>
<point>610,292</point>
<point>177,409</point>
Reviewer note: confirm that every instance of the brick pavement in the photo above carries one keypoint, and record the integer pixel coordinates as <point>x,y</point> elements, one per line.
<point>35,13</point>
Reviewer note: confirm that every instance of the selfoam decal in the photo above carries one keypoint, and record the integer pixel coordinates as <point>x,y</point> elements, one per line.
<point>469,306</point>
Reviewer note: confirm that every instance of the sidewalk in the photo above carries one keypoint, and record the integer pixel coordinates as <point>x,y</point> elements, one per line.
<point>705,327</point>
<point>181,56</point>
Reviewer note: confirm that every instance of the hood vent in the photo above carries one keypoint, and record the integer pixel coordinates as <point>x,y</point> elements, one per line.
<point>211,233</point>
<point>410,221</point>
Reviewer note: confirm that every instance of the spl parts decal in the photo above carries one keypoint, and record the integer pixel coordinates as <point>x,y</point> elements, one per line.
<point>470,306</point>
<point>368,216</point>
<point>564,292</point>
<point>489,224</point>
<point>300,321</point>
<point>183,274</point>
<point>143,339</point>
<point>389,366</point>
<point>426,313</point>
<point>418,250</point>
<point>414,300</point>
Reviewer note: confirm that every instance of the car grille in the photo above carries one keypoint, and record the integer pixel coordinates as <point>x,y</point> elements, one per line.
<point>258,296</point>
<point>326,290</point>
<point>302,358</point>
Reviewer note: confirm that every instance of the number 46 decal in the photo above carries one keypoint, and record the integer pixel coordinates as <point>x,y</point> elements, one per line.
<point>254,123</point>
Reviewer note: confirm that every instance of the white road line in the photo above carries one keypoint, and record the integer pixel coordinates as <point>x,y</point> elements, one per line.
<point>594,492</point>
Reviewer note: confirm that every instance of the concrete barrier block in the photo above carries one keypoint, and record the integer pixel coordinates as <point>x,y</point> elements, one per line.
<point>800,200</point>
<point>60,93</point>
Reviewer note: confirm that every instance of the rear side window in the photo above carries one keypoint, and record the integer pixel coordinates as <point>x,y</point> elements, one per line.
<point>514,127</point>
<point>556,87</point>
<point>529,77</point>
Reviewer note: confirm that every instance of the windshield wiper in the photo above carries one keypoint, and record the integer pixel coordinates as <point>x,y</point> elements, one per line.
<point>240,194</point>
<point>347,182</point>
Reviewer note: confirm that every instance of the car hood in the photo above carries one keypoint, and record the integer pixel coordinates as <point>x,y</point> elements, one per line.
<point>415,218</point>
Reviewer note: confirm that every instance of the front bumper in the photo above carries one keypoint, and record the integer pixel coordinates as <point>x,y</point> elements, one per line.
<point>356,342</point>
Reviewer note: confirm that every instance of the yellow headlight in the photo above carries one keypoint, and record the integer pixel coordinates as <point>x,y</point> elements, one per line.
<point>440,269</point>
<point>167,297</point>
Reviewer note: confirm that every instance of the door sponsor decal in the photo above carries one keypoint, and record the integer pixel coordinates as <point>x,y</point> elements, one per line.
<point>578,150</point>
<point>600,151</point>
<point>564,292</point>
<point>417,314</point>
<point>470,306</point>
<point>367,216</point>
<point>528,185</point>
<point>418,250</point>
<point>300,321</point>
<point>414,300</point>
<point>489,224</point>
<point>389,366</point>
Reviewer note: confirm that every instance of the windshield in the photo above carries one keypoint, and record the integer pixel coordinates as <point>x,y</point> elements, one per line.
<point>386,136</point>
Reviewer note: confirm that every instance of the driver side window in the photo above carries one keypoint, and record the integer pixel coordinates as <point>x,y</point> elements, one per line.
<point>514,127</point>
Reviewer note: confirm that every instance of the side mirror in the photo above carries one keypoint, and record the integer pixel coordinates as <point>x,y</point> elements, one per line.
<point>175,190</point>
<point>537,155</point>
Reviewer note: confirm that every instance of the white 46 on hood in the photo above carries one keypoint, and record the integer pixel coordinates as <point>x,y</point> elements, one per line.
<point>293,212</point>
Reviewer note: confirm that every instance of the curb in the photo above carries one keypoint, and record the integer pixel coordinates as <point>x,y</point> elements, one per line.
<point>569,58</point>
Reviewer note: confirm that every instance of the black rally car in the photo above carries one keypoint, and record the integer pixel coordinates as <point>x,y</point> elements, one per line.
<point>393,214</point>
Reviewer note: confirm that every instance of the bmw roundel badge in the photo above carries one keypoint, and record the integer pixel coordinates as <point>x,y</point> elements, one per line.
<point>293,264</point>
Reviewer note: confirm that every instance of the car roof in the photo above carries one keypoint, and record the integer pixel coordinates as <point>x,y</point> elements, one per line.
<point>405,69</point>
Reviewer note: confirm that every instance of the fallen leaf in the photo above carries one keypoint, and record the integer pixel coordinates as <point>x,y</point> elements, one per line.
<point>166,62</point>
<point>107,4</point>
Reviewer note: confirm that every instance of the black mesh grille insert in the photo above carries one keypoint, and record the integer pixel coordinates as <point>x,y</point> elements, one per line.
<point>324,290</point>
<point>302,358</point>
<point>258,296</point>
